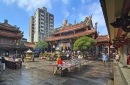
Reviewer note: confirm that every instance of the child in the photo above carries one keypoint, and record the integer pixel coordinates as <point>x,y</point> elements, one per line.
<point>58,62</point>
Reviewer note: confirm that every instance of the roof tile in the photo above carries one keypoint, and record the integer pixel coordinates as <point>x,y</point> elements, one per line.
<point>29,44</point>
<point>88,32</point>
<point>102,38</point>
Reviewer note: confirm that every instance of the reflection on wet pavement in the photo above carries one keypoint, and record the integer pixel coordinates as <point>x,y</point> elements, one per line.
<point>40,73</point>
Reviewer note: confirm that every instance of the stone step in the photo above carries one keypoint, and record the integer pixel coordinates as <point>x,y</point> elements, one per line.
<point>117,75</point>
<point>124,71</point>
<point>110,82</point>
<point>111,76</point>
<point>128,66</point>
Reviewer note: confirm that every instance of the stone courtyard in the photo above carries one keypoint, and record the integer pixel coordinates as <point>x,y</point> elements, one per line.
<point>40,72</point>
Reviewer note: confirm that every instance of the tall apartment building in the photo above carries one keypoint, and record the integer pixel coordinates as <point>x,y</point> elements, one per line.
<point>31,29</point>
<point>41,25</point>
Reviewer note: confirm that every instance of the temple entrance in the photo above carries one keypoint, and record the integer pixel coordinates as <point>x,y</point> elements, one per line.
<point>65,46</point>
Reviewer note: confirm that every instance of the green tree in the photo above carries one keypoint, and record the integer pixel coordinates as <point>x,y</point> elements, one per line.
<point>84,43</point>
<point>41,44</point>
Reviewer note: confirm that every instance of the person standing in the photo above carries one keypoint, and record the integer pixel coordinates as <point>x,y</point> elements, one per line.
<point>14,56</point>
<point>3,62</point>
<point>104,58</point>
<point>117,57</point>
<point>33,57</point>
<point>22,56</point>
<point>67,56</point>
<point>72,57</point>
<point>80,56</point>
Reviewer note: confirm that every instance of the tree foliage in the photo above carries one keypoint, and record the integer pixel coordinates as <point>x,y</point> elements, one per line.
<point>83,43</point>
<point>41,44</point>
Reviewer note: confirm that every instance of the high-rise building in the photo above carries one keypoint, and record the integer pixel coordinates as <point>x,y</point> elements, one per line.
<point>31,29</point>
<point>41,25</point>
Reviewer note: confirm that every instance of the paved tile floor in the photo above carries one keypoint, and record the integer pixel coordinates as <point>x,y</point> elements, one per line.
<point>40,73</point>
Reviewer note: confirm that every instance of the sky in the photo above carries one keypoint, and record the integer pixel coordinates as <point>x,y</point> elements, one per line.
<point>18,12</point>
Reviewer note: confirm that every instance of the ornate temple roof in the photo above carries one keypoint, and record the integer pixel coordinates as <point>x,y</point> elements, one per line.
<point>83,24</point>
<point>30,45</point>
<point>8,30</point>
<point>88,32</point>
<point>71,28</point>
<point>9,27</point>
<point>102,38</point>
<point>9,34</point>
<point>86,26</point>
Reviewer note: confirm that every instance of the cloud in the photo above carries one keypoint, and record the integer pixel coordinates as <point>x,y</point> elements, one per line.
<point>30,5</point>
<point>83,1</point>
<point>9,1</point>
<point>65,1</point>
<point>95,10</point>
<point>66,13</point>
<point>73,9</point>
<point>82,16</point>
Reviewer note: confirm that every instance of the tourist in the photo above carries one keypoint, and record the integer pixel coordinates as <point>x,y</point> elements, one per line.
<point>117,57</point>
<point>22,56</point>
<point>3,62</point>
<point>14,56</point>
<point>72,57</point>
<point>33,57</point>
<point>104,58</point>
<point>67,55</point>
<point>80,57</point>
<point>58,62</point>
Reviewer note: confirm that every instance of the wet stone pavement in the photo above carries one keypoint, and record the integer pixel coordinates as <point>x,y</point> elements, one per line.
<point>40,72</point>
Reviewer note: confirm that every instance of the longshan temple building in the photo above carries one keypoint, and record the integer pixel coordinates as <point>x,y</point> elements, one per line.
<point>10,37</point>
<point>65,36</point>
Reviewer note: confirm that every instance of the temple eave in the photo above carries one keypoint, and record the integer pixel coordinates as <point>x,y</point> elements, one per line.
<point>9,28</point>
<point>62,31</point>
<point>10,35</point>
<point>71,36</point>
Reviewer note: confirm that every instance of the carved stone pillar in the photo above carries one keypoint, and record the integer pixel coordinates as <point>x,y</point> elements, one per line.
<point>108,50</point>
<point>125,56</point>
<point>121,55</point>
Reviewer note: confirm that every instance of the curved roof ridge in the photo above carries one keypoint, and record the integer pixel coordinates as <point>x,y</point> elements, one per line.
<point>70,36</point>
<point>9,27</point>
<point>102,38</point>
<point>70,28</point>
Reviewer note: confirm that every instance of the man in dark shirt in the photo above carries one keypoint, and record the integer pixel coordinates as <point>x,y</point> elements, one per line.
<point>3,59</point>
<point>14,56</point>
